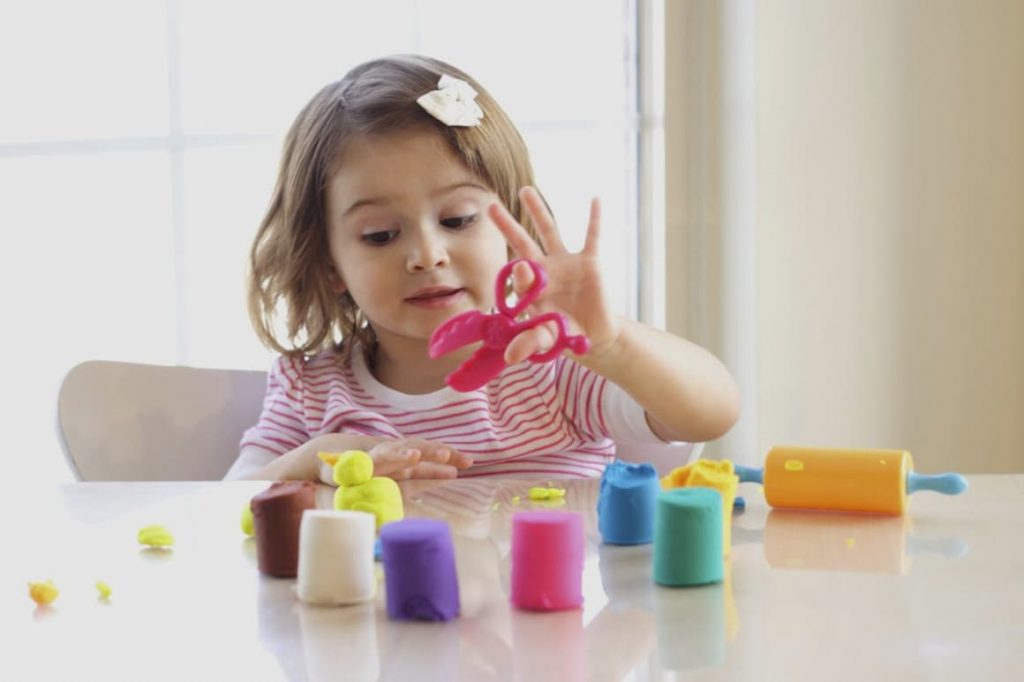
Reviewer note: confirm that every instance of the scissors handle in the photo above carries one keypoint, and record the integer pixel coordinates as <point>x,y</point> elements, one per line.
<point>540,280</point>
<point>578,344</point>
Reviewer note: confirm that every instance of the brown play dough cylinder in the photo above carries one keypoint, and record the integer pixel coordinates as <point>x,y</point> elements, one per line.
<point>276,516</point>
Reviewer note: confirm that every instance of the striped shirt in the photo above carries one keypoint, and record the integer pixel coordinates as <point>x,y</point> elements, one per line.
<point>555,419</point>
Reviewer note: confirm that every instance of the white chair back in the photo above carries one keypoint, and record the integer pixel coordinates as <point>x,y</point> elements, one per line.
<point>121,421</point>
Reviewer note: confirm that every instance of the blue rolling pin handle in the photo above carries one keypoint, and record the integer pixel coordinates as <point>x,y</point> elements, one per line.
<point>750,474</point>
<point>947,484</point>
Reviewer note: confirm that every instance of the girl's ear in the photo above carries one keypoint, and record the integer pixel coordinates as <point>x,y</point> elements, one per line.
<point>337,283</point>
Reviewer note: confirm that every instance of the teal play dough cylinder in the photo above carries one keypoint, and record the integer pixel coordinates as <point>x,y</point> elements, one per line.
<point>688,537</point>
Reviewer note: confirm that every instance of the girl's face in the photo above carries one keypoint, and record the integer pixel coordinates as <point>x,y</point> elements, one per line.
<point>409,235</point>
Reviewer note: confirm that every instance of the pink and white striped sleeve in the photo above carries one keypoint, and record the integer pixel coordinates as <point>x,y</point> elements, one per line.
<point>282,424</point>
<point>600,409</point>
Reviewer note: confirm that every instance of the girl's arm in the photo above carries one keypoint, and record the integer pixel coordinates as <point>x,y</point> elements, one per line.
<point>399,459</point>
<point>302,462</point>
<point>687,392</point>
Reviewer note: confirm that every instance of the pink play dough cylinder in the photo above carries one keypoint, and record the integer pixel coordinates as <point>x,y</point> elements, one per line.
<point>547,560</point>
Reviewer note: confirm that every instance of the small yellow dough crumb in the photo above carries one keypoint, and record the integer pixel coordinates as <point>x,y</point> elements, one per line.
<point>794,465</point>
<point>515,499</point>
<point>156,536</point>
<point>850,542</point>
<point>103,589</point>
<point>538,493</point>
<point>43,593</point>
<point>247,522</point>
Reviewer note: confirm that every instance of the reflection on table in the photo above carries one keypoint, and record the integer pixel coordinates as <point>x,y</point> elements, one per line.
<point>827,596</point>
<point>830,541</point>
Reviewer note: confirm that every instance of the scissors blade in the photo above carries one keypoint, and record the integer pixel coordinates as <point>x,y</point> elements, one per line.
<point>460,330</point>
<point>485,364</point>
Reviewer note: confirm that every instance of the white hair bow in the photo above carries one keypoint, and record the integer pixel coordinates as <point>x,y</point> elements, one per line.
<point>453,103</point>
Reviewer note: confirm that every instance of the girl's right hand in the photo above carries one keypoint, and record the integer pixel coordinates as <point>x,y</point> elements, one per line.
<point>400,459</point>
<point>407,458</point>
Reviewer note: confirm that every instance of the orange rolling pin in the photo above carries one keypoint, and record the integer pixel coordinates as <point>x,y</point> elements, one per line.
<point>839,479</point>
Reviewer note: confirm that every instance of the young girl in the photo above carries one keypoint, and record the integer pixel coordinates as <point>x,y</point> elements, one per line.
<point>402,191</point>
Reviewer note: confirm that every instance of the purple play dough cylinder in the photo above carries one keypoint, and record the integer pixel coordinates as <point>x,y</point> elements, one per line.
<point>419,570</point>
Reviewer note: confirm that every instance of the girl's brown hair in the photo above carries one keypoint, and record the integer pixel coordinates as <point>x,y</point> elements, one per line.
<point>290,266</point>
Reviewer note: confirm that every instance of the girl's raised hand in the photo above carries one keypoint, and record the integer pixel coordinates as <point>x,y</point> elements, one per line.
<point>574,279</point>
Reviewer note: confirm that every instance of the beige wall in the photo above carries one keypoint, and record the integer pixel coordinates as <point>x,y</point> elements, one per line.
<point>890,225</point>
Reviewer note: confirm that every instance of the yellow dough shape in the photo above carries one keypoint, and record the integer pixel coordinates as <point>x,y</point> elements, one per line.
<point>360,490</point>
<point>247,523</point>
<point>155,536</point>
<point>703,469</point>
<point>43,593</point>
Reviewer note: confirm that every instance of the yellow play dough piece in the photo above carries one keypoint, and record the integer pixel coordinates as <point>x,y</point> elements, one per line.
<point>351,467</point>
<point>104,589</point>
<point>538,493</point>
<point>379,496</point>
<point>247,522</point>
<point>43,593</point>
<point>681,476</point>
<point>156,536</point>
<point>360,490</point>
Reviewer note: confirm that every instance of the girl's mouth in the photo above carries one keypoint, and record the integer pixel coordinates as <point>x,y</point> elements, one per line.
<point>435,298</point>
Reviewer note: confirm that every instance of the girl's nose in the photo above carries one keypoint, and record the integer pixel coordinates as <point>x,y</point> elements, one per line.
<point>427,251</point>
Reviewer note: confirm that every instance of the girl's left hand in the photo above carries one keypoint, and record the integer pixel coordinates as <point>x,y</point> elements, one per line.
<point>574,279</point>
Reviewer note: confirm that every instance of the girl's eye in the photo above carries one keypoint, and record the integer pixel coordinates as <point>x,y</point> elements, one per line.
<point>379,238</point>
<point>459,221</point>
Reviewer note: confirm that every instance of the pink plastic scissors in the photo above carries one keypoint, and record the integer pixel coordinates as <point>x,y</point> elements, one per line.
<point>497,330</point>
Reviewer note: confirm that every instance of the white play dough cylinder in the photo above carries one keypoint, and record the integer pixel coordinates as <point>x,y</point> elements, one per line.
<point>336,557</point>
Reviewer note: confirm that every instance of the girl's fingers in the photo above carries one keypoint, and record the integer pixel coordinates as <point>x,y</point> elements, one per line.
<point>434,470</point>
<point>391,457</point>
<point>442,454</point>
<point>593,228</point>
<point>547,230</point>
<point>417,458</point>
<point>402,474</point>
<point>460,460</point>
<point>515,234</point>
<point>518,349</point>
<point>529,342</point>
<point>522,278</point>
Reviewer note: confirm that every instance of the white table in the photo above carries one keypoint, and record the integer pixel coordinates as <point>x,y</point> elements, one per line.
<point>937,595</point>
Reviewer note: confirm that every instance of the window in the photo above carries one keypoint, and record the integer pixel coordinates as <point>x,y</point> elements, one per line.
<point>139,143</point>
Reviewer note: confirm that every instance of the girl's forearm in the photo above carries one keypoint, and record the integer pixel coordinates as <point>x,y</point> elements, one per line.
<point>687,392</point>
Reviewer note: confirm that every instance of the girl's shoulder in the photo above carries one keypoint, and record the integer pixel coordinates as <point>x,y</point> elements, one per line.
<point>325,362</point>
<point>333,359</point>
